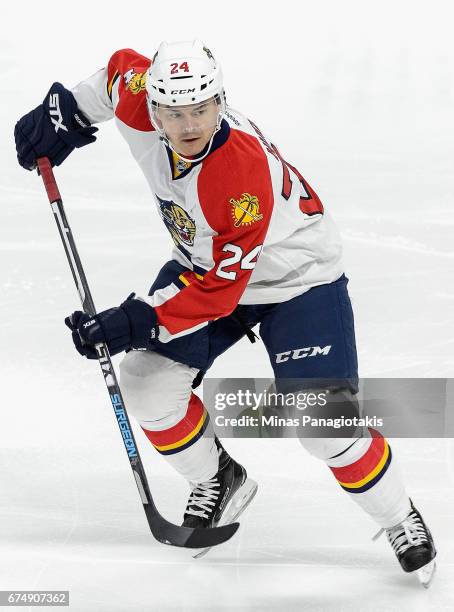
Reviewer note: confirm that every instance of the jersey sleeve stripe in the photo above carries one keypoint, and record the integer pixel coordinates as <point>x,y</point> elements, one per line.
<point>111,83</point>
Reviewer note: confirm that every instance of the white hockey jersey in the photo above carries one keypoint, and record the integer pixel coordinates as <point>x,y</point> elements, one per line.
<point>244,222</point>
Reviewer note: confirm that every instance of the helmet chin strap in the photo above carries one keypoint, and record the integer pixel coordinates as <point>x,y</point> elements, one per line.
<point>194,160</point>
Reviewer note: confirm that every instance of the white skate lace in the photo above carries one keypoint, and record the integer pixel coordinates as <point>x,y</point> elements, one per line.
<point>202,497</point>
<point>410,532</point>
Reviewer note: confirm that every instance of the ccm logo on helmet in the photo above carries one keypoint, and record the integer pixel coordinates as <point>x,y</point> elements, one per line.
<point>182,91</point>
<point>300,353</point>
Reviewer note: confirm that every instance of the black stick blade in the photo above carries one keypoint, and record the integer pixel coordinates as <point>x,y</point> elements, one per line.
<point>187,537</point>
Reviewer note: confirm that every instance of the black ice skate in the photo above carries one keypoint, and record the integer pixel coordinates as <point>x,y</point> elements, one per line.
<point>221,499</point>
<point>413,545</point>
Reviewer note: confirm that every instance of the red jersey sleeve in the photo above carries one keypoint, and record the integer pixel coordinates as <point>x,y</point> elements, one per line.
<point>236,197</point>
<point>126,79</point>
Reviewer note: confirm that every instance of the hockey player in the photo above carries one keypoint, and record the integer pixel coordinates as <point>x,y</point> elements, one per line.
<point>253,245</point>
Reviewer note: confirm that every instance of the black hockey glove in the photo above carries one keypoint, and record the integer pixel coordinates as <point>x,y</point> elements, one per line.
<point>132,325</point>
<point>53,129</point>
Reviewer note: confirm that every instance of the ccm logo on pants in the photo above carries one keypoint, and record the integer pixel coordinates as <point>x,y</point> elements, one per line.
<point>300,353</point>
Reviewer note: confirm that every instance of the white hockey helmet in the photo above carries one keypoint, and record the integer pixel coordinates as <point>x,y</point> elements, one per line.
<point>183,73</point>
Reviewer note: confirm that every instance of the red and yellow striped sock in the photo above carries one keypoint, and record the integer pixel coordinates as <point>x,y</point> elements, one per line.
<point>368,472</point>
<point>189,445</point>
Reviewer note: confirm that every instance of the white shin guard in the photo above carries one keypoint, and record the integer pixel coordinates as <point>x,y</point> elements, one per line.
<point>158,392</point>
<point>366,470</point>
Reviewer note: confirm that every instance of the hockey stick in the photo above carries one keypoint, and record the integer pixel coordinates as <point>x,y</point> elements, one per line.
<point>163,530</point>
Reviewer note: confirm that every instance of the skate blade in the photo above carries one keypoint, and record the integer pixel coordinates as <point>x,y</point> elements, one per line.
<point>237,505</point>
<point>426,574</point>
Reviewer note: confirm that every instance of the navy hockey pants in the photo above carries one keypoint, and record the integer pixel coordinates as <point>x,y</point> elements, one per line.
<point>308,337</point>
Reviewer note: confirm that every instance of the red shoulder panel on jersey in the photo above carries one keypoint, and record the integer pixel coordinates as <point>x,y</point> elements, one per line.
<point>128,68</point>
<point>236,197</point>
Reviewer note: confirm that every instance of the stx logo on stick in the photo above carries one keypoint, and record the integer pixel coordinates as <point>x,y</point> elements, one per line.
<point>105,366</point>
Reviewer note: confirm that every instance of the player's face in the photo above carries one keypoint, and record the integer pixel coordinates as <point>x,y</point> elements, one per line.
<point>189,128</point>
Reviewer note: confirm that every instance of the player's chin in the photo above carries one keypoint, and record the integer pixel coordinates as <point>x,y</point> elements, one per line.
<point>192,146</point>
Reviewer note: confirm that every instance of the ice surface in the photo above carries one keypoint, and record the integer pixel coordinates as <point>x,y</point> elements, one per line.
<point>359,96</point>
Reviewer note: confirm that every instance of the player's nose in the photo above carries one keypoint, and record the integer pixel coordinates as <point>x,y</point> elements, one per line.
<point>189,125</point>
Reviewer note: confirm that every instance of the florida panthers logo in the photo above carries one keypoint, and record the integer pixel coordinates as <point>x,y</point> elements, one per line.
<point>245,210</point>
<point>135,81</point>
<point>178,222</point>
